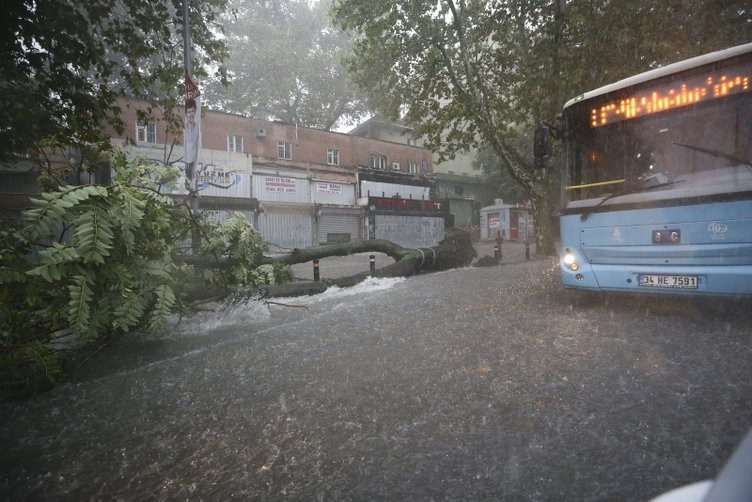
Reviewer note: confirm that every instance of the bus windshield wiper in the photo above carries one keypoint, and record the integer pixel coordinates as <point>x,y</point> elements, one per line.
<point>643,184</point>
<point>715,153</point>
<point>587,211</point>
<point>607,196</point>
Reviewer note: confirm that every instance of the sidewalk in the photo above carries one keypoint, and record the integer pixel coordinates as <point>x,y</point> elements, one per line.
<point>511,251</point>
<point>343,266</point>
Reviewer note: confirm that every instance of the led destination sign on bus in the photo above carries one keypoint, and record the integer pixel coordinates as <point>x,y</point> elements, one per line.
<point>674,95</point>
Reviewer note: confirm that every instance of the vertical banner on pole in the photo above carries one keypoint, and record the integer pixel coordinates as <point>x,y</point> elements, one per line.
<point>191,129</point>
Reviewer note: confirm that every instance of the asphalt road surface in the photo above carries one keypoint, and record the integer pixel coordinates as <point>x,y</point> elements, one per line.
<point>471,384</point>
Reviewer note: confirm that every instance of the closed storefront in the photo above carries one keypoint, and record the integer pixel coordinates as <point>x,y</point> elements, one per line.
<point>286,227</point>
<point>286,217</point>
<point>407,222</point>
<point>339,225</point>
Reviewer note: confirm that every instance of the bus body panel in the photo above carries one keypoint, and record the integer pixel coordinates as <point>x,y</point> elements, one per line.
<point>724,281</point>
<point>713,243</point>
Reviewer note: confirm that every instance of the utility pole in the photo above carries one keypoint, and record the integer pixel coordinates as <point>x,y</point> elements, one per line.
<point>188,64</point>
<point>191,91</point>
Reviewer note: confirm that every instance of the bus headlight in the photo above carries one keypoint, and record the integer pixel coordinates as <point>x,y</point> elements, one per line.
<point>570,260</point>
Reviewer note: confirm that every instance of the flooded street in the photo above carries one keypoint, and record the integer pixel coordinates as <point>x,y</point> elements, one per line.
<point>478,383</point>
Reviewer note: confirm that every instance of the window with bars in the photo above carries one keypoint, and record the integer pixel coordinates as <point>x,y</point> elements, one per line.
<point>284,149</point>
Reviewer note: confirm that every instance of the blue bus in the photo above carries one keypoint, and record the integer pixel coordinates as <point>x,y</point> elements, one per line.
<point>657,181</point>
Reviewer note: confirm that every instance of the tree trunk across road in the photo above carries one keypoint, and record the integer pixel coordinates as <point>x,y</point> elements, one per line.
<point>456,250</point>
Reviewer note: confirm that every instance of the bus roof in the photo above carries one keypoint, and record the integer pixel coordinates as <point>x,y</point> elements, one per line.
<point>687,64</point>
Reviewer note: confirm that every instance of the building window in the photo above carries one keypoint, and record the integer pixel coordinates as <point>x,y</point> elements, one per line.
<point>284,149</point>
<point>412,167</point>
<point>378,161</point>
<point>332,156</point>
<point>146,132</point>
<point>396,166</point>
<point>234,143</point>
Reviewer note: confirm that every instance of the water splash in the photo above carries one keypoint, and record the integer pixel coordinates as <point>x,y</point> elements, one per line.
<point>369,285</point>
<point>241,307</point>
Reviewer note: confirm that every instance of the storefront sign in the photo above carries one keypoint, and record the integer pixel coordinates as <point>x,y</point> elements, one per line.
<point>278,184</point>
<point>400,205</point>
<point>209,175</point>
<point>329,187</point>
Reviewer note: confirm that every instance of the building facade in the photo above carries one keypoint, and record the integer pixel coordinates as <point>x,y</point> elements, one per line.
<point>298,186</point>
<point>456,181</point>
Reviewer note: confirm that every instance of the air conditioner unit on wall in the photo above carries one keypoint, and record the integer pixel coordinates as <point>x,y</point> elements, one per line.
<point>261,132</point>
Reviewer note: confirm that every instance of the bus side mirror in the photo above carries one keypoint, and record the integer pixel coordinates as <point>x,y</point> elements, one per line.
<point>541,145</point>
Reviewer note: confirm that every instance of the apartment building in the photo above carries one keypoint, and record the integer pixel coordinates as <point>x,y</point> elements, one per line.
<point>298,186</point>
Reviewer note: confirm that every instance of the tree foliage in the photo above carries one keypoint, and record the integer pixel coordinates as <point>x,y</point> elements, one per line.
<point>104,249</point>
<point>494,175</point>
<point>64,64</point>
<point>599,42</point>
<point>467,73</point>
<point>284,65</point>
<point>244,249</point>
<point>453,70</point>
<point>92,262</point>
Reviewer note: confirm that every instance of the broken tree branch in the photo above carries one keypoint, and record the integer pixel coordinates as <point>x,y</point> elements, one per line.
<point>455,250</point>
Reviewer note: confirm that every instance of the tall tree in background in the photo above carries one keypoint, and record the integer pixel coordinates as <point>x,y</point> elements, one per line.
<point>285,65</point>
<point>606,40</point>
<point>466,73</point>
<point>453,69</point>
<point>64,63</point>
<point>498,179</point>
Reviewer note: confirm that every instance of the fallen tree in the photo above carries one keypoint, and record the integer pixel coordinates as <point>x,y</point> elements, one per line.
<point>456,250</point>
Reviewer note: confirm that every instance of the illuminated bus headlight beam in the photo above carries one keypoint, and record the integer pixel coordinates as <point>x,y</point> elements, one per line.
<point>570,260</point>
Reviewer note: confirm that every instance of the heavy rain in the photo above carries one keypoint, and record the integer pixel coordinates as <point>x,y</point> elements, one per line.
<point>549,203</point>
<point>496,385</point>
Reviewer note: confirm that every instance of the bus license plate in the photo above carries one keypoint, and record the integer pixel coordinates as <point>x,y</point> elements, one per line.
<point>668,281</point>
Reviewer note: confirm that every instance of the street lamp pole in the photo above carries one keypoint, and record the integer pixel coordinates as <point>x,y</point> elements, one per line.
<point>190,167</point>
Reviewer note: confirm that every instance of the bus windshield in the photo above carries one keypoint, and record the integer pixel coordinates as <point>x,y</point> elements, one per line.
<point>683,134</point>
<point>657,185</point>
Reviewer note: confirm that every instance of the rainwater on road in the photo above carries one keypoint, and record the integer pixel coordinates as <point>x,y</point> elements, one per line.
<point>471,384</point>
